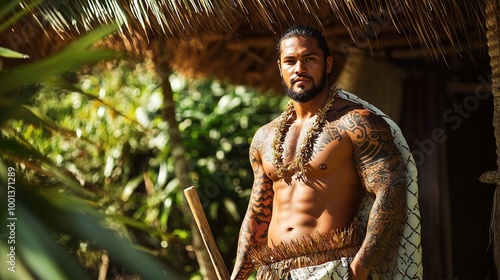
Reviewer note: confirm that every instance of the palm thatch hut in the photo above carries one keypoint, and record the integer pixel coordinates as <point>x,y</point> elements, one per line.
<point>424,62</point>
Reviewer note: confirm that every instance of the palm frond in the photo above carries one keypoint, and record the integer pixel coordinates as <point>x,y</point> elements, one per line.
<point>79,54</point>
<point>4,52</point>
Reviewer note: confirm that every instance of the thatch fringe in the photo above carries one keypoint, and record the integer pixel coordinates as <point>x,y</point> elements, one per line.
<point>314,249</point>
<point>432,21</point>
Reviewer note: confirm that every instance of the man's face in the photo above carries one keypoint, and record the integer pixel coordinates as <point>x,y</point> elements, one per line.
<point>303,68</point>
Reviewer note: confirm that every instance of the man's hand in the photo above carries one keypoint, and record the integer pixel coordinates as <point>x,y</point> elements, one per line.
<point>357,271</point>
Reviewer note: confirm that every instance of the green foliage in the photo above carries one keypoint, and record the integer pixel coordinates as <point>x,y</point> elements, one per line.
<point>217,122</point>
<point>90,130</point>
<point>121,151</point>
<point>47,204</point>
<point>4,52</point>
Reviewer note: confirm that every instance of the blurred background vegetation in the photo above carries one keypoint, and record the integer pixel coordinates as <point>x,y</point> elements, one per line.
<point>96,194</point>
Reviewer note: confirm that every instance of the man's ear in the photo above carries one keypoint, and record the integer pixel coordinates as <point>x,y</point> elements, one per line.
<point>279,67</point>
<point>329,64</point>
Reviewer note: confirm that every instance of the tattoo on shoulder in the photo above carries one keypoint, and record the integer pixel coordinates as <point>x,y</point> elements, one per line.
<point>376,155</point>
<point>260,136</point>
<point>370,135</point>
<point>259,139</point>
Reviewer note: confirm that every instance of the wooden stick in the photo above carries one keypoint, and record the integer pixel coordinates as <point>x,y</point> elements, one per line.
<point>206,233</point>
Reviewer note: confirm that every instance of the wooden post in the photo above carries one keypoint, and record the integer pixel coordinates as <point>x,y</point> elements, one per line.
<point>206,233</point>
<point>493,177</point>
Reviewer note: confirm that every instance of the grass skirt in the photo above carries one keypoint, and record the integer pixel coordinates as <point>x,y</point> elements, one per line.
<point>311,250</point>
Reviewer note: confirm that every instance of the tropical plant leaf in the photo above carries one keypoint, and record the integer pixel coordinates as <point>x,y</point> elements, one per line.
<point>72,57</point>
<point>10,103</point>
<point>12,54</point>
<point>21,272</point>
<point>33,116</point>
<point>27,154</point>
<point>87,224</point>
<point>13,265</point>
<point>42,212</point>
<point>36,240</point>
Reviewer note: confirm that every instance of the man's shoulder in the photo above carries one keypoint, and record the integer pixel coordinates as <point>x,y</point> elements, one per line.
<point>267,128</point>
<point>344,109</point>
<point>354,115</point>
<point>263,134</point>
<point>270,127</point>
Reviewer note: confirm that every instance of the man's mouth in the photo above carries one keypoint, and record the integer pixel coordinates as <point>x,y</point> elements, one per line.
<point>301,80</point>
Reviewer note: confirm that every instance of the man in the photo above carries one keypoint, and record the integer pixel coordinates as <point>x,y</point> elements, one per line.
<point>312,168</point>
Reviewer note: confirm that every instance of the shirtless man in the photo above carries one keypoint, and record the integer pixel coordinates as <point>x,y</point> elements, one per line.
<point>347,152</point>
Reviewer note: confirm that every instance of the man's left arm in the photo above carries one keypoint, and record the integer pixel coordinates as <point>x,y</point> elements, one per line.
<point>383,174</point>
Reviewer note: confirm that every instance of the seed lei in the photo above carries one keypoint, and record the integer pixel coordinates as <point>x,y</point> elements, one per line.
<point>302,157</point>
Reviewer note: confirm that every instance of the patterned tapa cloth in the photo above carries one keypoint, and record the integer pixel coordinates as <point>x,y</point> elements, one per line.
<point>309,251</point>
<point>332,270</point>
<point>405,260</point>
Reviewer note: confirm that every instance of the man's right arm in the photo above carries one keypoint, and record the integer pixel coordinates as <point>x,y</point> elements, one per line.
<point>253,232</point>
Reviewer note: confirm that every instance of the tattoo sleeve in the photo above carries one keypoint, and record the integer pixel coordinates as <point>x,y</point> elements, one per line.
<point>383,174</point>
<point>253,232</point>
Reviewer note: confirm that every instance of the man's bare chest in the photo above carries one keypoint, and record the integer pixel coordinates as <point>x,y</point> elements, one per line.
<point>326,150</point>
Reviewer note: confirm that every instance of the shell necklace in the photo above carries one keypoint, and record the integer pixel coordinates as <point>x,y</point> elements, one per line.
<point>305,150</point>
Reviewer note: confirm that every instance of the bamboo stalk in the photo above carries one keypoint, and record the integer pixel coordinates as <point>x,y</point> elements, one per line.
<point>206,233</point>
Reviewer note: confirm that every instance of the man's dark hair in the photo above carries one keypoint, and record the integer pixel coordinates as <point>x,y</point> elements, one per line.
<point>305,31</point>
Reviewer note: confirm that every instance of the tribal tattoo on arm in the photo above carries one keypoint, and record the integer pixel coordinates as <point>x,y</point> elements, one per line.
<point>383,174</point>
<point>253,232</point>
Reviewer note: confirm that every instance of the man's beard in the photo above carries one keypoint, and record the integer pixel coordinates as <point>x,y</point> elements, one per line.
<point>304,95</point>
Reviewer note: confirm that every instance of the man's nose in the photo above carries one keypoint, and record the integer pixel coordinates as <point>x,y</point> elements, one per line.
<point>300,67</point>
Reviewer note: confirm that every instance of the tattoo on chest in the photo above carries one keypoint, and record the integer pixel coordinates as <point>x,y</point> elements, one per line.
<point>331,133</point>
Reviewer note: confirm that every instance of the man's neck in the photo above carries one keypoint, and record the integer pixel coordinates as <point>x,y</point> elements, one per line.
<point>307,110</point>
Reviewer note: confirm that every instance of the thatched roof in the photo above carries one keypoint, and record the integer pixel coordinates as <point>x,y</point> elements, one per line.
<point>236,39</point>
